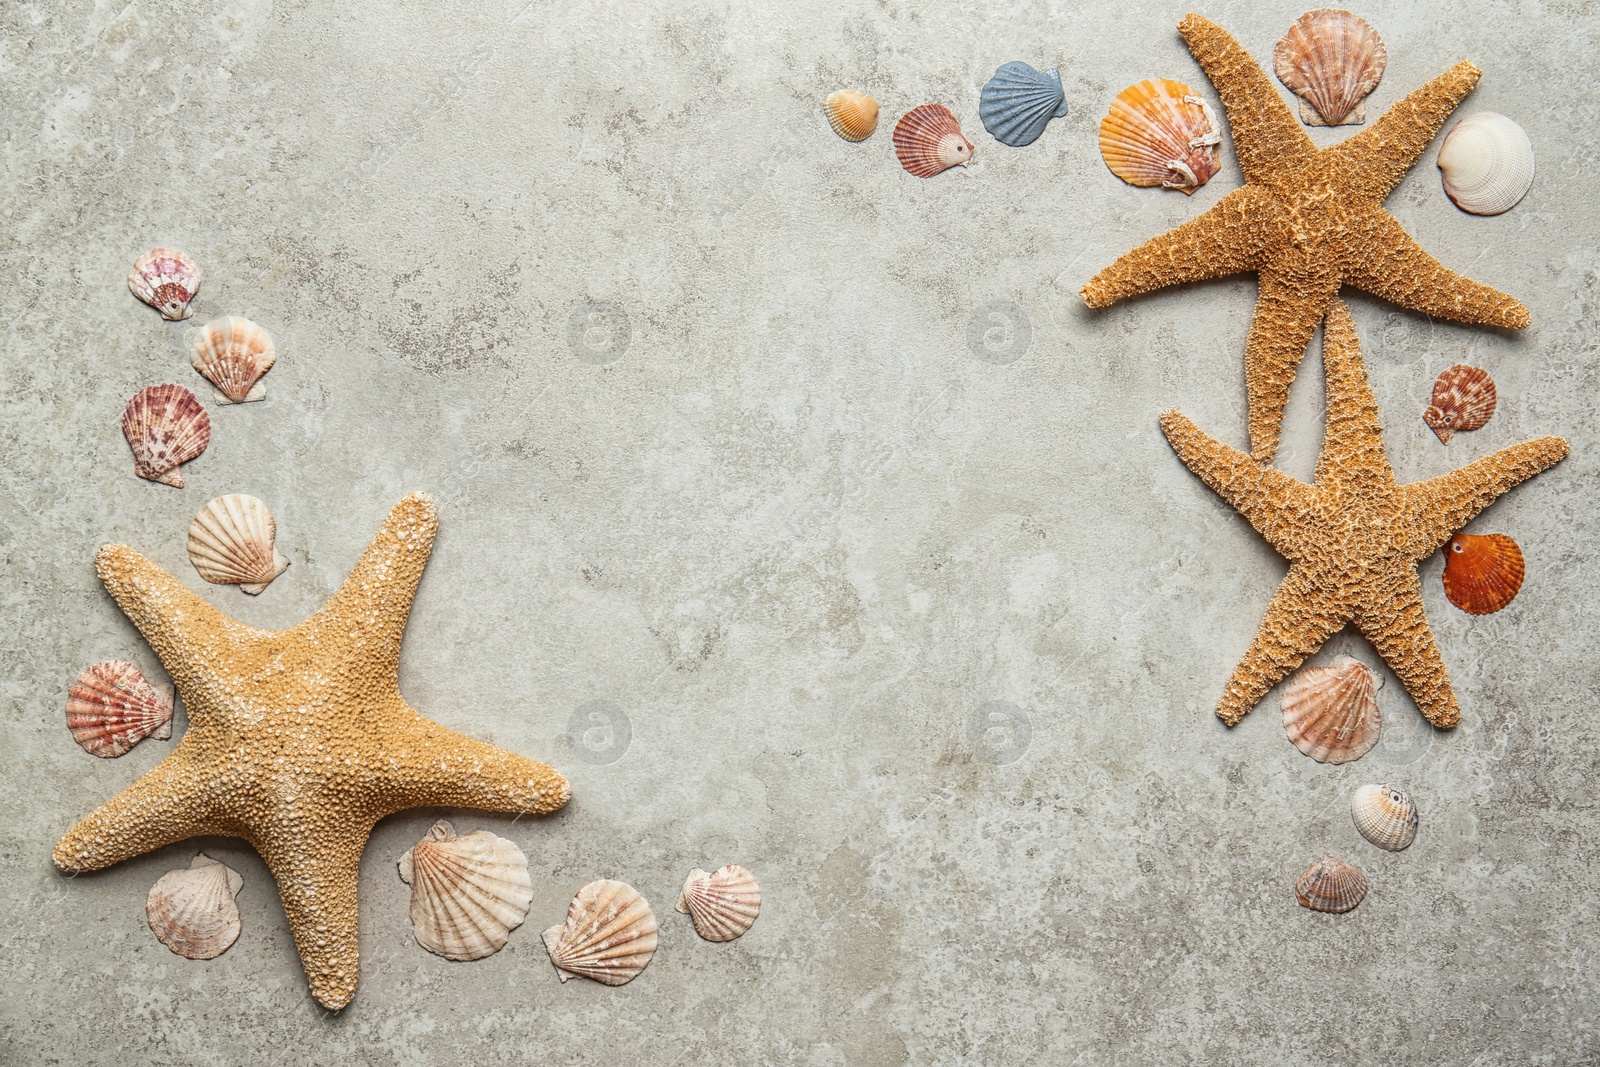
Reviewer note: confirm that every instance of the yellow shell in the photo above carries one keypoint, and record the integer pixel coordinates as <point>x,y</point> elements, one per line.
<point>1159,132</point>
<point>853,115</point>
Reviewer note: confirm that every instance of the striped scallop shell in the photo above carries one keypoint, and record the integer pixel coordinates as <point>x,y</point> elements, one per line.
<point>193,912</point>
<point>1331,885</point>
<point>111,708</point>
<point>723,905</point>
<point>1482,573</point>
<point>1331,60</point>
<point>1463,399</point>
<point>853,115</point>
<point>1385,815</point>
<point>928,141</point>
<point>609,935</point>
<point>467,893</point>
<point>166,427</point>
<point>1331,713</point>
<point>231,543</point>
<point>1487,163</point>
<point>1160,133</point>
<point>233,353</point>
<point>167,280</point>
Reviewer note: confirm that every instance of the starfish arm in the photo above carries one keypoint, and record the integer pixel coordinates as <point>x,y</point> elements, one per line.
<point>1286,315</point>
<point>1266,496</point>
<point>1352,452</point>
<point>1398,628</point>
<point>1439,507</point>
<point>1297,622</point>
<point>1372,162</point>
<point>432,766</point>
<point>317,881</point>
<point>168,803</point>
<point>1377,255</point>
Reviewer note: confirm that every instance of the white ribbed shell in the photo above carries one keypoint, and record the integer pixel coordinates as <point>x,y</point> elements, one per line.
<point>609,935</point>
<point>192,911</point>
<point>231,543</point>
<point>1386,815</point>
<point>723,905</point>
<point>467,893</point>
<point>1487,163</point>
<point>233,353</point>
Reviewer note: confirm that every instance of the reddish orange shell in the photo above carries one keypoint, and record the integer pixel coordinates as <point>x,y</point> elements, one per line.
<point>165,426</point>
<point>928,141</point>
<point>1463,399</point>
<point>1482,573</point>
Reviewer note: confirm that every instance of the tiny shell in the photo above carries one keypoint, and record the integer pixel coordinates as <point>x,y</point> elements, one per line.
<point>111,708</point>
<point>723,905</point>
<point>1018,102</point>
<point>1331,885</point>
<point>1385,815</point>
<point>1331,60</point>
<point>1482,573</point>
<point>1160,133</point>
<point>467,893</point>
<point>192,911</point>
<point>167,280</point>
<point>609,935</point>
<point>165,426</point>
<point>928,141</point>
<point>853,115</point>
<point>1463,399</point>
<point>231,543</point>
<point>233,353</point>
<point>1487,163</point>
<point>1331,713</point>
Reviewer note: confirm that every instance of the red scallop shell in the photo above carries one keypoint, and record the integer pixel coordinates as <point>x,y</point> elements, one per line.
<point>928,141</point>
<point>165,426</point>
<point>111,708</point>
<point>1463,399</point>
<point>1482,573</point>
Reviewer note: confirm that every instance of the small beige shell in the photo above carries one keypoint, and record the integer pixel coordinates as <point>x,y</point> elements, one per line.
<point>111,708</point>
<point>723,905</point>
<point>167,280</point>
<point>1487,163</point>
<point>1463,399</point>
<point>1331,60</point>
<point>233,353</point>
<point>1160,132</point>
<point>1385,815</point>
<point>1331,713</point>
<point>928,141</point>
<point>192,911</point>
<point>231,543</point>
<point>609,935</point>
<point>467,893</point>
<point>853,116</point>
<point>1331,885</point>
<point>166,427</point>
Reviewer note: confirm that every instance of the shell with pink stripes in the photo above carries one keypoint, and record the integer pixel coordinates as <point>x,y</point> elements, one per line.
<point>467,893</point>
<point>111,708</point>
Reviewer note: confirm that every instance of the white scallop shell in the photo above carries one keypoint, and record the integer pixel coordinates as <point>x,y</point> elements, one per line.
<point>1487,162</point>
<point>111,708</point>
<point>231,543</point>
<point>723,905</point>
<point>609,935</point>
<point>192,911</point>
<point>467,893</point>
<point>233,353</point>
<point>1386,815</point>
<point>1331,713</point>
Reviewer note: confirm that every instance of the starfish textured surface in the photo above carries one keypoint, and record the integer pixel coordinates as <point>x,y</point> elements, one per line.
<point>1353,538</point>
<point>1306,221</point>
<point>299,741</point>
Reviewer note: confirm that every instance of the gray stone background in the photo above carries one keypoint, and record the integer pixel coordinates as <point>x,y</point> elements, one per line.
<point>821,479</point>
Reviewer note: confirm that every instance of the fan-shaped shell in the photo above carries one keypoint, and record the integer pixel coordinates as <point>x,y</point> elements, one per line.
<point>1487,163</point>
<point>467,893</point>
<point>1385,815</point>
<point>928,141</point>
<point>1331,885</point>
<point>1159,132</point>
<point>167,280</point>
<point>853,115</point>
<point>1331,713</point>
<point>722,905</point>
<point>1463,399</point>
<point>111,708</point>
<point>609,935</point>
<point>165,426</point>
<point>233,353</point>
<point>1018,102</point>
<point>192,911</point>
<point>231,543</point>
<point>1482,573</point>
<point>1331,60</point>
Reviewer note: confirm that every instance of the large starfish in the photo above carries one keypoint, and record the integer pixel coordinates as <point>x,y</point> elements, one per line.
<point>1353,537</point>
<point>1307,221</point>
<point>299,741</point>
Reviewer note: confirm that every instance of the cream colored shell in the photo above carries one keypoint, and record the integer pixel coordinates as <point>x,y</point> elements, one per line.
<point>1386,815</point>
<point>722,905</point>
<point>467,893</point>
<point>231,542</point>
<point>1487,163</point>
<point>1331,713</point>
<point>609,935</point>
<point>193,912</point>
<point>233,353</point>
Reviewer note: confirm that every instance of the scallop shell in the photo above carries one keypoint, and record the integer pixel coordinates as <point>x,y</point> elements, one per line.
<point>1463,399</point>
<point>231,543</point>
<point>467,893</point>
<point>233,353</point>
<point>1331,60</point>
<point>1331,885</point>
<point>928,141</point>
<point>1160,133</point>
<point>853,115</point>
<point>723,905</point>
<point>1331,713</point>
<point>1482,573</point>
<point>111,708</point>
<point>165,426</point>
<point>1385,815</point>
<point>609,935</point>
<point>192,911</point>
<point>1018,102</point>
<point>167,280</point>
<point>1487,162</point>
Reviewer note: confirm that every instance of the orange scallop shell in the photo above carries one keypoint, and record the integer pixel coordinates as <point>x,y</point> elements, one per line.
<point>1482,573</point>
<point>1463,399</point>
<point>928,141</point>
<point>1159,132</point>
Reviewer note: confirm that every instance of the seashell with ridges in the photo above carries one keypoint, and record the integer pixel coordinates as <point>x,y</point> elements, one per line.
<point>1160,133</point>
<point>1331,60</point>
<point>166,427</point>
<point>853,115</point>
<point>609,935</point>
<point>1331,713</point>
<point>928,141</point>
<point>1487,163</point>
<point>193,912</point>
<point>233,353</point>
<point>1482,572</point>
<point>1463,399</point>
<point>167,280</point>
<point>467,893</point>
<point>1018,102</point>
<point>111,708</point>
<point>1385,815</point>
<point>231,542</point>
<point>722,905</point>
<point>1331,885</point>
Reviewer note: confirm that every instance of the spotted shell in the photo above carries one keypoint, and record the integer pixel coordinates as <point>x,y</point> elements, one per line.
<point>167,280</point>
<point>1019,102</point>
<point>928,141</point>
<point>231,542</point>
<point>1331,60</point>
<point>1331,885</point>
<point>853,115</point>
<point>111,708</point>
<point>609,935</point>
<point>467,893</point>
<point>1482,573</point>
<point>1385,815</point>
<point>1331,713</point>
<point>233,353</point>
<point>722,905</point>
<point>165,426</point>
<point>1487,163</point>
<point>1463,399</point>
<point>193,912</point>
<point>1159,132</point>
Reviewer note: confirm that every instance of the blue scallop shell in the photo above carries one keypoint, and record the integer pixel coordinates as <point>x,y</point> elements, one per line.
<point>1018,102</point>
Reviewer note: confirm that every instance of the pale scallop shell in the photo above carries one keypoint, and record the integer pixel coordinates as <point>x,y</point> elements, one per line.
<point>166,427</point>
<point>1487,163</point>
<point>1159,132</point>
<point>1331,60</point>
<point>111,708</point>
<point>1463,399</point>
<point>853,115</point>
<point>467,893</point>
<point>1331,713</point>
<point>167,280</point>
<point>609,935</point>
<point>723,905</point>
<point>192,911</point>
<point>1386,815</point>
<point>1019,102</point>
<point>231,542</point>
<point>928,140</point>
<point>1331,885</point>
<point>233,353</point>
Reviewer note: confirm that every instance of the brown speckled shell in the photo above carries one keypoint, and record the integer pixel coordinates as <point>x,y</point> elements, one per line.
<point>1464,398</point>
<point>1482,573</point>
<point>1331,60</point>
<point>928,141</point>
<point>1331,885</point>
<point>111,708</point>
<point>166,427</point>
